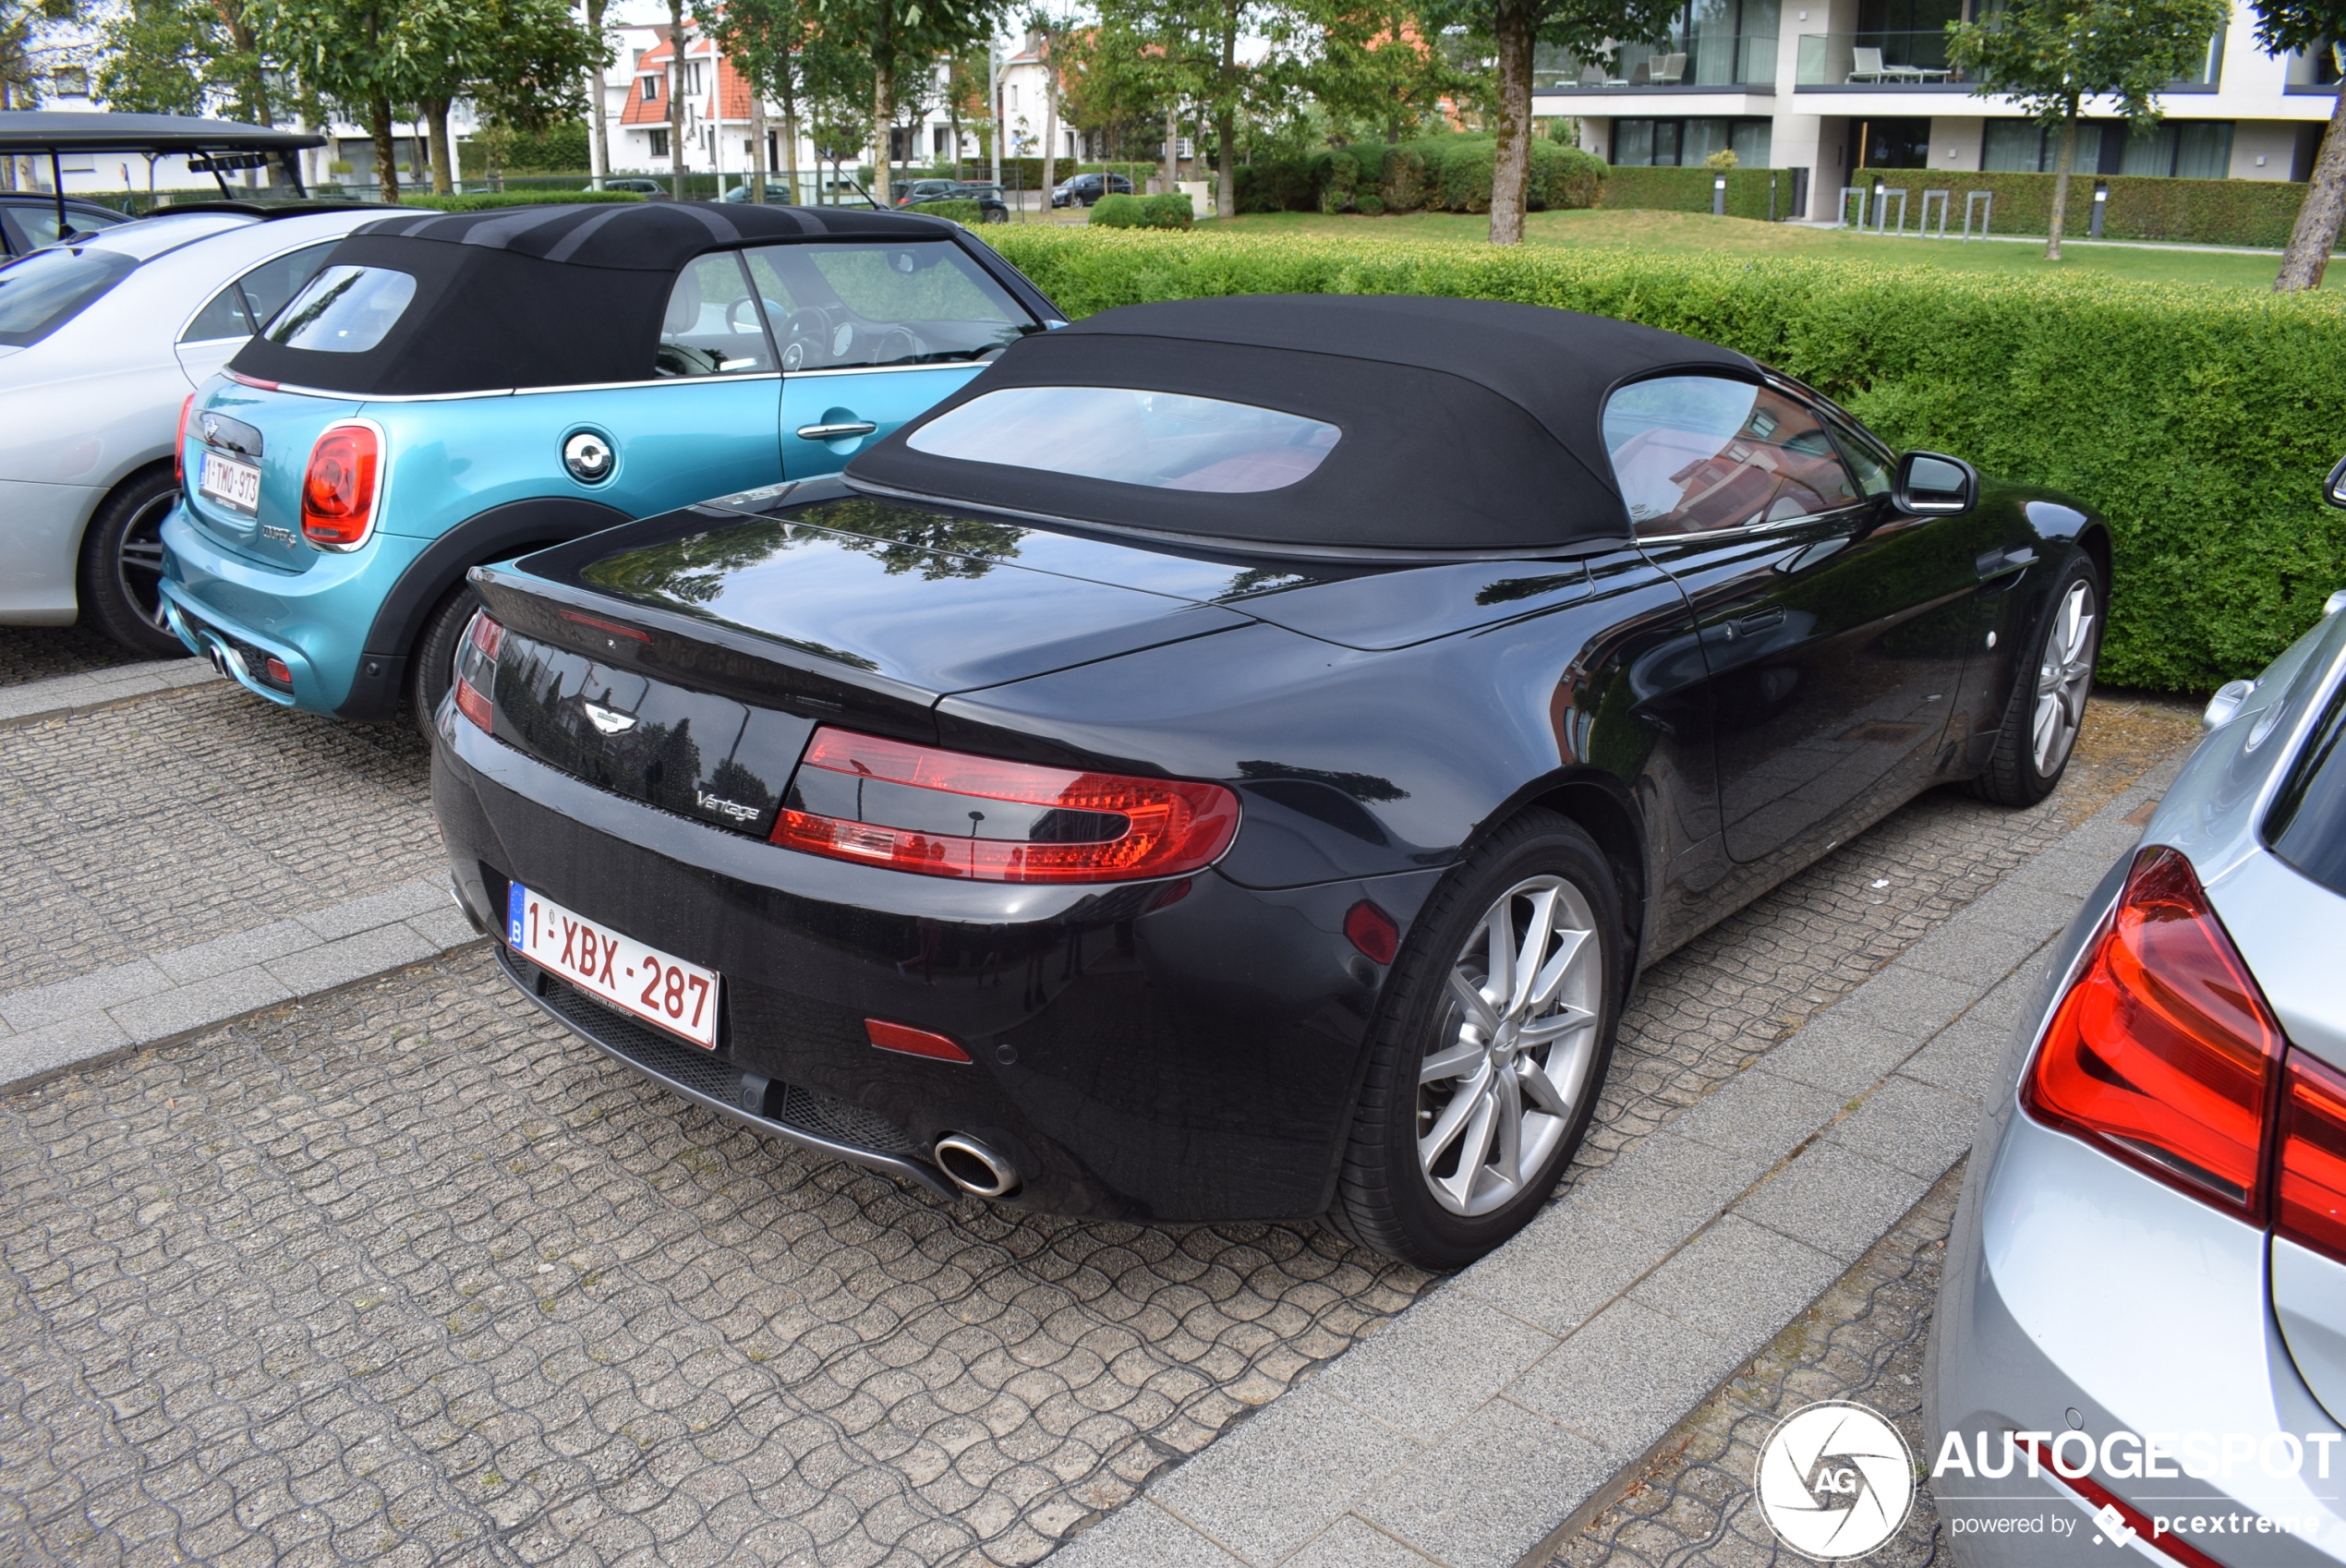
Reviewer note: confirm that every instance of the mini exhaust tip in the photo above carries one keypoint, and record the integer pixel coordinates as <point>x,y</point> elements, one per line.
<point>974,1168</point>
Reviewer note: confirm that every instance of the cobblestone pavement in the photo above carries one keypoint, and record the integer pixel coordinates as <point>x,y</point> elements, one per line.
<point>191,814</point>
<point>409,1275</point>
<point>1863,1340</point>
<point>35,652</point>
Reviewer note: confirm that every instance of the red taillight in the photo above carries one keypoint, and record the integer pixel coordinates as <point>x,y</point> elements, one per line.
<point>946,813</point>
<point>338,490</point>
<point>179,441</point>
<point>2163,1053</point>
<point>912,1042</point>
<point>477,669</point>
<point>2309,1176</point>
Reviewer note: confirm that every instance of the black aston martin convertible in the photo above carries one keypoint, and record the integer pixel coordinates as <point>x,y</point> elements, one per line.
<point>1232,759</point>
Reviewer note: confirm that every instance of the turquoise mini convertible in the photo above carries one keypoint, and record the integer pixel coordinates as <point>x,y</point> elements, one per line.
<point>452,389</point>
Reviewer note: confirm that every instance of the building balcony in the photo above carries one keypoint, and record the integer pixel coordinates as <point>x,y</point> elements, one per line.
<point>1699,62</point>
<point>1873,61</point>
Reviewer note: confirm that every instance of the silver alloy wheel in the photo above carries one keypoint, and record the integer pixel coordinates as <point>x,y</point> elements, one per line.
<point>1502,1082</point>
<point>2065,673</point>
<point>137,564</point>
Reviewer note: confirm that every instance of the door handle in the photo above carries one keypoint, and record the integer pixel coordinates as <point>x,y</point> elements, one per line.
<point>839,431</point>
<point>1996,562</point>
<point>1751,625</point>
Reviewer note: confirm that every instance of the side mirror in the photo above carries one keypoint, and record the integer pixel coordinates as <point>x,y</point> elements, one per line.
<point>2334,488</point>
<point>1932,483</point>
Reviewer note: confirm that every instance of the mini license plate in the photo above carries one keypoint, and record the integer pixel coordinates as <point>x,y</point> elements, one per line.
<point>229,482</point>
<point>678,996</point>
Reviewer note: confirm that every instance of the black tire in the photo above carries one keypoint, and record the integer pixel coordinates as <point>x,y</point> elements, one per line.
<point>2059,671</point>
<point>432,667</point>
<point>122,566</point>
<point>1386,1198</point>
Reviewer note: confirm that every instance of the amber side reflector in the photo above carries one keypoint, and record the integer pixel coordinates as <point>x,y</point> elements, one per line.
<point>912,1042</point>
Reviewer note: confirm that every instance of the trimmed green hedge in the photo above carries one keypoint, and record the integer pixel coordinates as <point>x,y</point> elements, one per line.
<point>1171,210</point>
<point>1765,194</point>
<point>1436,173</point>
<point>482,200</point>
<point>2199,421</point>
<point>964,213</point>
<point>2250,212</point>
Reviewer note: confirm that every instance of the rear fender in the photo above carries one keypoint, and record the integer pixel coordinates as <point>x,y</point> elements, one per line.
<point>497,534</point>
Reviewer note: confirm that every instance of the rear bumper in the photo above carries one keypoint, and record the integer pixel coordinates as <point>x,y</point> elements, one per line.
<point>1183,1051</point>
<point>317,621</point>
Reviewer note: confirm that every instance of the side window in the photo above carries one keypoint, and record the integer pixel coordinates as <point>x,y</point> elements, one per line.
<point>1864,456</point>
<point>1695,453</point>
<point>712,326</point>
<point>922,303</point>
<point>245,306</point>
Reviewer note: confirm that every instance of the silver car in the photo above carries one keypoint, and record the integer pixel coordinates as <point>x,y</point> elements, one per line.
<point>101,339</point>
<point>2141,1338</point>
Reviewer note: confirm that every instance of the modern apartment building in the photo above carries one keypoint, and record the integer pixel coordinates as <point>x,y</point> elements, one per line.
<point>1841,88</point>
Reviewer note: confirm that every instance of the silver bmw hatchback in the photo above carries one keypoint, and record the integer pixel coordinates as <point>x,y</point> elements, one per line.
<point>2141,1338</point>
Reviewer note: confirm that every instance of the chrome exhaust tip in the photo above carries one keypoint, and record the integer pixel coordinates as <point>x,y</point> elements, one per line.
<point>974,1168</point>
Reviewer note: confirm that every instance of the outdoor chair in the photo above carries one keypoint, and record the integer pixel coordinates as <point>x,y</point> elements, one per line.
<point>1865,64</point>
<point>1668,70</point>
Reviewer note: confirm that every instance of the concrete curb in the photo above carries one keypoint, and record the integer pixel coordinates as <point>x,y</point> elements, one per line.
<point>62,695</point>
<point>1490,1422</point>
<point>93,1019</point>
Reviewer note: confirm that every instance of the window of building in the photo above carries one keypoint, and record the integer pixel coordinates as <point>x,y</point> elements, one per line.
<point>659,141</point>
<point>2319,67</point>
<point>651,90</point>
<point>2182,148</point>
<point>1697,453</point>
<point>1890,144</point>
<point>70,81</point>
<point>1642,144</point>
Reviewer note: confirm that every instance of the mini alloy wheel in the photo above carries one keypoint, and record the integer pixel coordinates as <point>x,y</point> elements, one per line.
<point>1501,1082</point>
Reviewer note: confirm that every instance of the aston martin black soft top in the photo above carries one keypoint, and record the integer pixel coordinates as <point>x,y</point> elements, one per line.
<point>1383,422</point>
<point>543,296</point>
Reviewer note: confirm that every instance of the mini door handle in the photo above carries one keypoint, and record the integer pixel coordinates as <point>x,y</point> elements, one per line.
<point>836,432</point>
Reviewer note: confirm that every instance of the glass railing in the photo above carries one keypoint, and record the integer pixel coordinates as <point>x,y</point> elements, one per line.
<point>1875,59</point>
<point>1700,60</point>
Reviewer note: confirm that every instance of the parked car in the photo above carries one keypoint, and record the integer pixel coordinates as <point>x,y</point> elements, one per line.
<point>903,193</point>
<point>1085,189</point>
<point>640,186</point>
<point>1153,783</point>
<point>101,340</point>
<point>2167,1143</point>
<point>843,193</point>
<point>456,388</point>
<point>27,222</point>
<point>991,208</point>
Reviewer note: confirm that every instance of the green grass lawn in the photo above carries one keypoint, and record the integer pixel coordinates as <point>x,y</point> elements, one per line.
<point>1693,232</point>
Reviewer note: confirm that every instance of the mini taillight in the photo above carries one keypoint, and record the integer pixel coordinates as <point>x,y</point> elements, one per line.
<point>946,813</point>
<point>2163,1052</point>
<point>2309,1177</point>
<point>476,682</point>
<point>179,441</point>
<point>338,490</point>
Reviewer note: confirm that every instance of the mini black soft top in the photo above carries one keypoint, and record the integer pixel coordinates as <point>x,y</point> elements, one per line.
<point>544,297</point>
<point>1465,425</point>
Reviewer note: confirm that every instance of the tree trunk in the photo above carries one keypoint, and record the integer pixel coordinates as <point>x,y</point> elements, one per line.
<point>1172,146</point>
<point>790,128</point>
<point>255,86</point>
<point>676,99</point>
<point>883,120</point>
<point>1511,166</point>
<point>598,126</point>
<point>758,142</point>
<point>1226,118</point>
<point>378,128</point>
<point>443,167</point>
<point>2316,235</point>
<point>1050,125</point>
<point>2061,184</point>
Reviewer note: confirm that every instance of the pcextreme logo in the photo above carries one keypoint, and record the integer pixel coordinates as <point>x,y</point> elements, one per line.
<point>1835,1480</point>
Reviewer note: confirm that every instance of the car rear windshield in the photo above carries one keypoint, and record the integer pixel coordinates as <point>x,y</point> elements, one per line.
<point>1165,440</point>
<point>42,292</point>
<point>344,310</point>
<point>2307,824</point>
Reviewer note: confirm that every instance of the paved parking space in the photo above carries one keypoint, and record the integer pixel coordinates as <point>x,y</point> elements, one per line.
<point>403,1274</point>
<point>36,653</point>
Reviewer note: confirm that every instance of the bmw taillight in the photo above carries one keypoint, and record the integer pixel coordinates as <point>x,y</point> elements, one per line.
<point>2163,1053</point>
<point>338,489</point>
<point>2309,1173</point>
<point>179,441</point>
<point>948,814</point>
<point>476,682</point>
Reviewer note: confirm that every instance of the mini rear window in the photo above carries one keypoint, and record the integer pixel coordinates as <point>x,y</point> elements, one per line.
<point>1163,441</point>
<point>344,310</point>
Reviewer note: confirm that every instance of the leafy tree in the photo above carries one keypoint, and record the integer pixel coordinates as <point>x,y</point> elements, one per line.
<point>187,57</point>
<point>1375,65</point>
<point>2282,26</point>
<point>355,54</point>
<point>1589,29</point>
<point>2053,54</point>
<point>523,63</point>
<point>899,38</point>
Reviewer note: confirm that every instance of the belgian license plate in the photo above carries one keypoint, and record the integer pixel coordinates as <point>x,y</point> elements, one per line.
<point>231,483</point>
<point>637,978</point>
